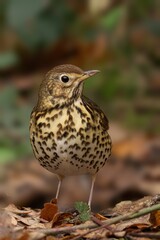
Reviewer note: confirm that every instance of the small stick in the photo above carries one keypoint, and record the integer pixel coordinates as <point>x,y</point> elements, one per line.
<point>100,223</point>
<point>146,234</point>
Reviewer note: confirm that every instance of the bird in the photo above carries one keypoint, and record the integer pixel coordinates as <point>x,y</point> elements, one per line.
<point>68,131</point>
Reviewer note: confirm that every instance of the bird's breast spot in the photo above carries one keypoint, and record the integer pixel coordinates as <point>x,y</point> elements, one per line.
<point>61,150</point>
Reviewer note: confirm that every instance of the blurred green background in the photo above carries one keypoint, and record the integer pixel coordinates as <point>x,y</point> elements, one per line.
<point>121,38</point>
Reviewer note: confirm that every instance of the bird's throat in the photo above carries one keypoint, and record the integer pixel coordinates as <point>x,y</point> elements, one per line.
<point>59,101</point>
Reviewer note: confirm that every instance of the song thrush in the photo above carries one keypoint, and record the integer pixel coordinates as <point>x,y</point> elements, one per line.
<point>68,131</point>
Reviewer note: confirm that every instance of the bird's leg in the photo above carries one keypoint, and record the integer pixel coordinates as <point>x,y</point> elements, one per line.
<point>60,178</point>
<point>91,190</point>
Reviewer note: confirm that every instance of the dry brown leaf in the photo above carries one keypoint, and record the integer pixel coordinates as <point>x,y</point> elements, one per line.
<point>120,234</point>
<point>100,217</point>
<point>22,218</point>
<point>26,220</point>
<point>49,210</point>
<point>6,219</point>
<point>97,234</point>
<point>37,235</point>
<point>51,238</point>
<point>130,147</point>
<point>59,219</point>
<point>5,233</point>
<point>25,236</point>
<point>13,235</point>
<point>37,225</point>
<point>14,209</point>
<point>54,201</point>
<point>125,207</point>
<point>155,218</point>
<point>67,237</point>
<point>140,223</point>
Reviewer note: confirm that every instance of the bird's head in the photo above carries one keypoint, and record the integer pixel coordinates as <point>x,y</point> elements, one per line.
<point>63,84</point>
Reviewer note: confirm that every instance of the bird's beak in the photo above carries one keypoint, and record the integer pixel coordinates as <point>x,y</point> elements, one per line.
<point>91,73</point>
<point>88,74</point>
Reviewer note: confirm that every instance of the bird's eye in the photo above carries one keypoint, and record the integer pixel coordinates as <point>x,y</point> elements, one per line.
<point>64,78</point>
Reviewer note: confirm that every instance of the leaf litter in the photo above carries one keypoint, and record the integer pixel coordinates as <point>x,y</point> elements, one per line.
<point>49,223</point>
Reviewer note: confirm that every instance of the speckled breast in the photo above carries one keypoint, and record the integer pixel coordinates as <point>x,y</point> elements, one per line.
<point>69,141</point>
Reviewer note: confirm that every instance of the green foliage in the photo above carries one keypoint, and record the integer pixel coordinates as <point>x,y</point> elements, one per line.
<point>114,83</point>
<point>8,59</point>
<point>139,9</point>
<point>112,18</point>
<point>21,11</point>
<point>39,23</point>
<point>84,211</point>
<point>141,121</point>
<point>14,126</point>
<point>6,154</point>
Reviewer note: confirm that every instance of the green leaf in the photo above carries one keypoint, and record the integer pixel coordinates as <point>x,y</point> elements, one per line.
<point>111,19</point>
<point>85,216</point>
<point>38,22</point>
<point>81,207</point>
<point>6,155</point>
<point>8,59</point>
<point>84,211</point>
<point>21,12</point>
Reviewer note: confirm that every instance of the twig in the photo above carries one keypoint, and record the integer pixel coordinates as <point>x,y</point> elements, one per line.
<point>60,230</point>
<point>107,222</point>
<point>146,234</point>
<point>100,223</point>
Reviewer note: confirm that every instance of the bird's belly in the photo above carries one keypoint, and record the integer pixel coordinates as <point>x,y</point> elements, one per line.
<point>71,146</point>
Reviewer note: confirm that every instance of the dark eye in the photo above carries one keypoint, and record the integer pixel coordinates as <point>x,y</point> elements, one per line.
<point>64,78</point>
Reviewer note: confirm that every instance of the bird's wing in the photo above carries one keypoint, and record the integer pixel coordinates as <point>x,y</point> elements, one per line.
<point>93,107</point>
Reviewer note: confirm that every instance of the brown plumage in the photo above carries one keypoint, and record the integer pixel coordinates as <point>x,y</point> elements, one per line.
<point>68,131</point>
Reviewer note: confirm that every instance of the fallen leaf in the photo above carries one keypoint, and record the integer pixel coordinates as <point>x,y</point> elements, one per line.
<point>21,218</point>
<point>67,237</point>
<point>51,238</point>
<point>98,234</point>
<point>155,218</point>
<point>5,233</point>
<point>100,217</point>
<point>25,236</point>
<point>125,207</point>
<point>6,219</point>
<point>49,211</point>
<point>36,235</point>
<point>54,201</point>
<point>61,218</point>
<point>130,147</point>
<point>29,221</point>
<point>140,223</point>
<point>14,209</point>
